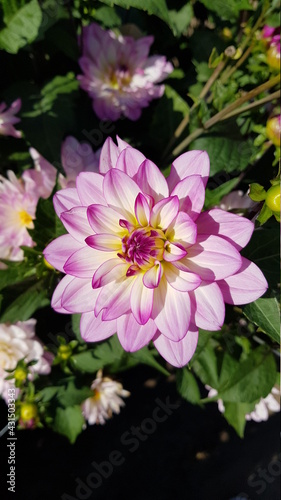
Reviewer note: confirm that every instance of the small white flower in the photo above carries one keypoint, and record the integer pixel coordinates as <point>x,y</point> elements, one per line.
<point>105,401</point>
<point>18,341</point>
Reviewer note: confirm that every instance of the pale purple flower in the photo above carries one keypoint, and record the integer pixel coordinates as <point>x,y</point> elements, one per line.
<point>141,259</point>
<point>8,119</point>
<point>118,74</point>
<point>238,200</point>
<point>18,202</point>
<point>18,341</point>
<point>105,401</point>
<point>77,157</point>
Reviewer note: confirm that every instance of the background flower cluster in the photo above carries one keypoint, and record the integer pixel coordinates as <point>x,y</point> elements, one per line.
<point>166,79</point>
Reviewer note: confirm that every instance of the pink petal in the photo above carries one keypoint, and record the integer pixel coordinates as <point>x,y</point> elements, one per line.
<point>76,223</point>
<point>208,308</point>
<point>234,228</point>
<point>132,335</point>
<point>94,329</point>
<point>164,212</point>
<point>173,252</point>
<point>142,210</point>
<point>104,219</point>
<point>109,154</point>
<point>114,298</point>
<point>247,285</point>
<point>181,280</point>
<point>79,296</point>
<point>85,261</point>
<point>187,164</point>
<point>152,181</point>
<point>178,354</point>
<point>152,277</point>
<point>57,294</point>
<point>129,161</point>
<point>182,230</point>
<point>191,194</point>
<point>212,258</point>
<point>60,249</point>
<point>66,199</point>
<point>105,242</point>
<point>120,192</point>
<point>110,270</point>
<point>90,188</point>
<point>141,300</point>
<point>171,311</point>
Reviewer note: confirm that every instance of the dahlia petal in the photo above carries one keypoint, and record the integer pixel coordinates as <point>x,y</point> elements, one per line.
<point>171,311</point>
<point>57,294</point>
<point>110,270</point>
<point>104,242</point>
<point>103,219</point>
<point>207,306</point>
<point>132,335</point>
<point>142,210</point>
<point>181,280</point>
<point>76,223</point>
<point>141,301</point>
<point>85,261</point>
<point>234,228</point>
<point>109,154</point>
<point>152,277</point>
<point>114,298</point>
<point>173,252</point>
<point>247,285</point>
<point>212,258</point>
<point>94,329</point>
<point>187,164</point>
<point>191,194</point>
<point>60,249</point>
<point>164,211</point>
<point>120,192</point>
<point>79,296</point>
<point>129,161</point>
<point>182,230</point>
<point>152,181</point>
<point>90,188</point>
<point>65,200</point>
<point>179,353</point>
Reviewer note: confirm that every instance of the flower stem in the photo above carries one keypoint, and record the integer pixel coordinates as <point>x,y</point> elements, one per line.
<point>255,104</point>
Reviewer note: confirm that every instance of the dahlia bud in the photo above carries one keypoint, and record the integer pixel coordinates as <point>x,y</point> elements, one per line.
<point>28,416</point>
<point>272,199</point>
<point>273,130</point>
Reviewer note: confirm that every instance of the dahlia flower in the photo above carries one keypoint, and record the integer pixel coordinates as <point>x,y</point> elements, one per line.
<point>18,201</point>
<point>8,119</point>
<point>18,341</point>
<point>77,157</point>
<point>141,259</point>
<point>263,409</point>
<point>118,74</point>
<point>105,401</point>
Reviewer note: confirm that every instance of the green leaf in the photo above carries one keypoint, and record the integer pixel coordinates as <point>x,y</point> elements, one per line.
<point>213,196</point>
<point>187,386</point>
<point>146,357</point>
<point>235,414</point>
<point>265,313</point>
<point>22,28</point>
<point>252,380</point>
<point>155,7</point>
<point>264,214</point>
<point>257,192</point>
<point>23,307</point>
<point>47,225</point>
<point>10,8</point>
<point>15,273</point>
<point>180,20</point>
<point>72,394</point>
<point>101,355</point>
<point>227,10</point>
<point>87,362</point>
<point>69,422</point>
<point>108,17</point>
<point>205,365</point>
<point>75,320</point>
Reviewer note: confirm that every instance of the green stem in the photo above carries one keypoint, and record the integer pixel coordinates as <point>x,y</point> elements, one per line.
<point>255,104</point>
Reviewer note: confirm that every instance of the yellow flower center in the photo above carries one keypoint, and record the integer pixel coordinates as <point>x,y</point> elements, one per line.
<point>25,219</point>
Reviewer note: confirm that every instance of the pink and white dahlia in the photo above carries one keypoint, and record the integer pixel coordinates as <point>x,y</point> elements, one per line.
<point>8,119</point>
<point>18,202</point>
<point>77,157</point>
<point>18,341</point>
<point>142,260</point>
<point>118,74</point>
<point>105,401</point>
